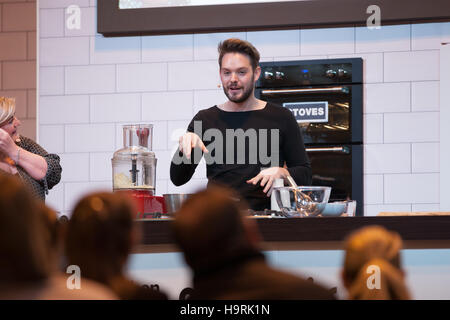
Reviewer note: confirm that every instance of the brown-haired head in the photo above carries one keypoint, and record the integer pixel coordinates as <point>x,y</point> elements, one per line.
<point>234,45</point>
<point>210,228</point>
<point>99,235</point>
<point>368,247</point>
<point>25,240</point>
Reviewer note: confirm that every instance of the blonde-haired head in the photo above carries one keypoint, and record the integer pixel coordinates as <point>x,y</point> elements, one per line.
<point>374,246</point>
<point>7,109</point>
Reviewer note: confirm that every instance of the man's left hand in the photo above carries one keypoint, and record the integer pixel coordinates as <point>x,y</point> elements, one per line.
<point>267,176</point>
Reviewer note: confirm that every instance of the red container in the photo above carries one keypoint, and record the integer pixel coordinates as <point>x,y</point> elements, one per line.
<point>147,205</point>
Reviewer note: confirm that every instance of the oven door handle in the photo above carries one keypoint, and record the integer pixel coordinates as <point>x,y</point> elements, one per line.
<point>345,150</point>
<point>306,90</point>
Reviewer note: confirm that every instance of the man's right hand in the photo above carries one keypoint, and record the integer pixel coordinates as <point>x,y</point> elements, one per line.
<point>188,141</point>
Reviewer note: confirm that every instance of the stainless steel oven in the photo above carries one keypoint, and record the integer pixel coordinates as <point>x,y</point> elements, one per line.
<point>326,98</point>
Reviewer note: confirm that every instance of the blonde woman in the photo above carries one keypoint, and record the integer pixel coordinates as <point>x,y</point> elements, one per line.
<point>22,156</point>
<point>372,250</point>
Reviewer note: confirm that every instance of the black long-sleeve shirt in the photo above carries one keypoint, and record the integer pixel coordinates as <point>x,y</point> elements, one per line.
<point>274,135</point>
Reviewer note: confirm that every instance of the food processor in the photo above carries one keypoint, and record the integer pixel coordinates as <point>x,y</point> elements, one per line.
<point>134,170</point>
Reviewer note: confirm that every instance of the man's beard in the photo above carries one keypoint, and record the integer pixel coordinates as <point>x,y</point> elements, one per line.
<point>245,95</point>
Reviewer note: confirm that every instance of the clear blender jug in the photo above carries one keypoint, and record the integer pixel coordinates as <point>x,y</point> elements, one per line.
<point>134,168</point>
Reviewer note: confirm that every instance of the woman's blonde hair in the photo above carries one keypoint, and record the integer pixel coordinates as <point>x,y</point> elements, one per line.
<point>368,247</point>
<point>7,108</point>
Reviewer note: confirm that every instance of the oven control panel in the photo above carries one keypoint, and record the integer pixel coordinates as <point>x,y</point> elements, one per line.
<point>313,72</point>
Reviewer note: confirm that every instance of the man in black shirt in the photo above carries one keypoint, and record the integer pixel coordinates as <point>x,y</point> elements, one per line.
<point>253,142</point>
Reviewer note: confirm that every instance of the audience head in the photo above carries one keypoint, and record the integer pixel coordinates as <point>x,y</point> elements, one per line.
<point>26,252</point>
<point>210,228</point>
<point>374,246</point>
<point>100,235</point>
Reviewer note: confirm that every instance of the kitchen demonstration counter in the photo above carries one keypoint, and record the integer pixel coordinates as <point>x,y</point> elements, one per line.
<point>430,231</point>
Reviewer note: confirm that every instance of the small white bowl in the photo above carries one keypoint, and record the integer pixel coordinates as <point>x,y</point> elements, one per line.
<point>334,209</point>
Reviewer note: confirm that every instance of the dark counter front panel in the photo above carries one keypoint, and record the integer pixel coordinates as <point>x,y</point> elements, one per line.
<point>320,229</point>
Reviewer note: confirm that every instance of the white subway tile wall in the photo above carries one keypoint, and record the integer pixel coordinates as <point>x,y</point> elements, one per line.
<point>51,137</point>
<point>50,23</point>
<point>425,157</point>
<point>141,77</point>
<point>64,51</point>
<point>167,105</point>
<point>205,45</point>
<point>110,107</point>
<point>411,127</point>
<point>115,50</point>
<point>89,137</point>
<point>387,158</point>
<point>168,48</point>
<point>428,36</point>
<point>387,38</point>
<point>373,189</point>
<point>193,75</point>
<point>90,79</point>
<point>276,43</point>
<point>90,86</point>
<point>425,96</point>
<point>373,128</point>
<point>64,109</point>
<point>387,97</point>
<point>51,81</point>
<point>327,41</point>
<point>100,168</point>
<point>75,160</point>
<point>411,66</point>
<point>411,188</point>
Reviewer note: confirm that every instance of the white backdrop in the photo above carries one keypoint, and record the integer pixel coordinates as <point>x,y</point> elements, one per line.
<point>445,127</point>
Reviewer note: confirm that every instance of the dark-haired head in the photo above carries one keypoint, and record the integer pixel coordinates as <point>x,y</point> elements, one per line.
<point>234,45</point>
<point>210,228</point>
<point>25,238</point>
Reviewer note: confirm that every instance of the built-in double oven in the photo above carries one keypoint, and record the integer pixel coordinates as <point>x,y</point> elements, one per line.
<point>326,98</point>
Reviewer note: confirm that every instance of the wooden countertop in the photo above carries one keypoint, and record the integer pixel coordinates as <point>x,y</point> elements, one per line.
<point>319,233</point>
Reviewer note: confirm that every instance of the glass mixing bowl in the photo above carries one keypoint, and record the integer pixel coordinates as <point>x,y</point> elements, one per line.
<point>303,201</point>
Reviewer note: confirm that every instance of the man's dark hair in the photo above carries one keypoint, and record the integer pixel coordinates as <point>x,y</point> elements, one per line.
<point>239,46</point>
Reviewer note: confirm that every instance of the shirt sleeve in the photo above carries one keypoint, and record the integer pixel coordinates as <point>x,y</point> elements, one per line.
<point>181,168</point>
<point>54,170</point>
<point>53,174</point>
<point>297,161</point>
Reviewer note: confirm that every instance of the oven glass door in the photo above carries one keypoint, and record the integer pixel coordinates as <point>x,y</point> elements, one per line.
<point>339,167</point>
<point>342,104</point>
<point>332,167</point>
